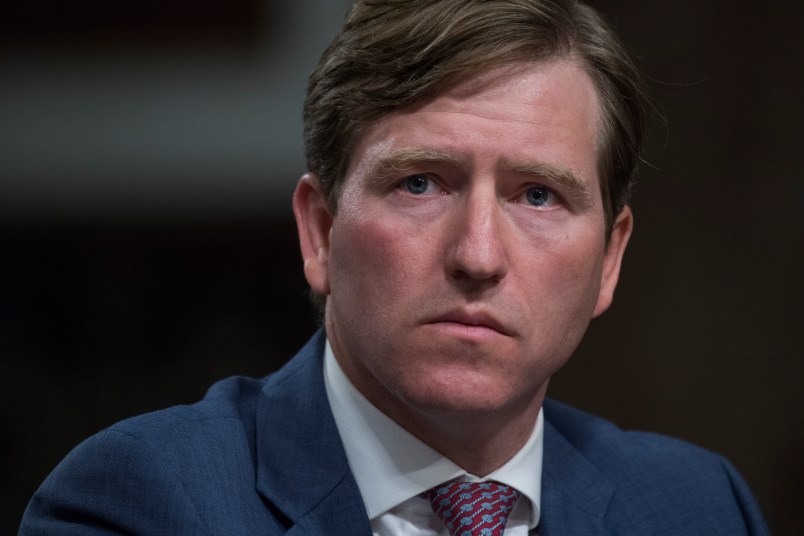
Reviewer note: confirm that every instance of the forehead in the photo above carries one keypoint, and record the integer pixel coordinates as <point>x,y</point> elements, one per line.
<point>525,83</point>
<point>538,111</point>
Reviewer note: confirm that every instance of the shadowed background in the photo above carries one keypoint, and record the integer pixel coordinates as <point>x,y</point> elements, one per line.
<point>148,151</point>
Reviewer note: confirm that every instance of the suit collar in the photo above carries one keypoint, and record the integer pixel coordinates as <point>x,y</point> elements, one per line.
<point>575,494</point>
<point>301,465</point>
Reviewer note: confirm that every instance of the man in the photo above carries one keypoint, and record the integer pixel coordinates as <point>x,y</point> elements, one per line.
<point>464,218</point>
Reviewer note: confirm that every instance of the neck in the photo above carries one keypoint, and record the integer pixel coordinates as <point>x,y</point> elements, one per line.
<point>479,444</point>
<point>478,438</point>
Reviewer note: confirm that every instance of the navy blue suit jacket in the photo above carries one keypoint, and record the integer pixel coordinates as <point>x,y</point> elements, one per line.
<point>264,457</point>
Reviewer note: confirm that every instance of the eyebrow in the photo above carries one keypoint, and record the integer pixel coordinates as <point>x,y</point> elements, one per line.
<point>570,184</point>
<point>407,157</point>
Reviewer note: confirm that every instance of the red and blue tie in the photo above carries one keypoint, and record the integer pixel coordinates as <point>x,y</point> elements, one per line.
<point>473,508</point>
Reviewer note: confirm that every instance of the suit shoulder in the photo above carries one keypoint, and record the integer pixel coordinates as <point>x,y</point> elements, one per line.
<point>179,470</point>
<point>602,441</point>
<point>655,476</point>
<point>211,433</point>
<point>233,398</point>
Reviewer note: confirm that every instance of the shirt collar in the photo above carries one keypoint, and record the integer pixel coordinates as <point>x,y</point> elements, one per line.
<point>391,465</point>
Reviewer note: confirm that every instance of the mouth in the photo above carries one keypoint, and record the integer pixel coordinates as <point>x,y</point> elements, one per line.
<point>471,323</point>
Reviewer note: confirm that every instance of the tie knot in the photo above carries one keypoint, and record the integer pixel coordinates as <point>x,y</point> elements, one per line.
<point>473,508</point>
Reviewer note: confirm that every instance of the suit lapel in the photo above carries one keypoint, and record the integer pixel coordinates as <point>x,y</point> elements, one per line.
<point>302,468</point>
<point>575,495</point>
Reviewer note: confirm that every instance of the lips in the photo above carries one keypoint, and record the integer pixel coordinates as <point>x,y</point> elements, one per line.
<point>478,319</point>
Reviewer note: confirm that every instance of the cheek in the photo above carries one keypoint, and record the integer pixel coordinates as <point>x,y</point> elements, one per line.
<point>563,281</point>
<point>375,258</point>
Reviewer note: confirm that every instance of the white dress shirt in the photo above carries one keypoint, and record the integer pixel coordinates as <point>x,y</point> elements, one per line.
<point>392,467</point>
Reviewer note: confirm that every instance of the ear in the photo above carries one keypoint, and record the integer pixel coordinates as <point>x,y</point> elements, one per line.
<point>612,259</point>
<point>314,222</point>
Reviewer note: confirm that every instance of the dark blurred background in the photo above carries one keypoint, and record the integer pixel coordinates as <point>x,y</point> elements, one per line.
<point>148,151</point>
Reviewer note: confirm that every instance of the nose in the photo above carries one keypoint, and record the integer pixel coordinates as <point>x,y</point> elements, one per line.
<point>476,253</point>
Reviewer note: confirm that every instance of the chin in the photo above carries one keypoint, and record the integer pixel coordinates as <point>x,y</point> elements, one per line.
<point>459,393</point>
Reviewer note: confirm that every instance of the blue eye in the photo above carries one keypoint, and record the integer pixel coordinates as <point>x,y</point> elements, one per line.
<point>417,184</point>
<point>538,196</point>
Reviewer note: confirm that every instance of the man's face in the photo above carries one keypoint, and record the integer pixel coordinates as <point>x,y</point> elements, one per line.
<point>468,252</point>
